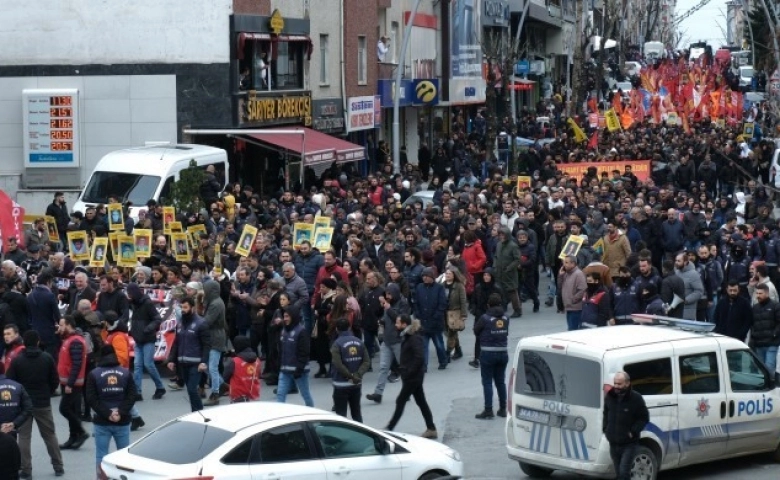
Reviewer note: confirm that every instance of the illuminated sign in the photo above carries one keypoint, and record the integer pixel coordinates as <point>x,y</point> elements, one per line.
<point>51,128</point>
<point>270,110</point>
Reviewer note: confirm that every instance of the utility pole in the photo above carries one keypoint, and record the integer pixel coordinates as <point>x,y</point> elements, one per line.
<point>516,51</point>
<point>576,81</point>
<point>397,100</point>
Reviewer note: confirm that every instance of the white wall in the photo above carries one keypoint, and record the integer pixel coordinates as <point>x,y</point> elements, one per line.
<point>74,32</point>
<point>116,112</point>
<point>324,20</point>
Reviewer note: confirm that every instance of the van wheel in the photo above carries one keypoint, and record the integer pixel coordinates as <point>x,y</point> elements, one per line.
<point>776,454</point>
<point>645,464</point>
<point>535,472</point>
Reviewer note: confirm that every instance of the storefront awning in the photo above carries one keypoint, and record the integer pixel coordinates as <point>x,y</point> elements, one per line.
<point>316,147</point>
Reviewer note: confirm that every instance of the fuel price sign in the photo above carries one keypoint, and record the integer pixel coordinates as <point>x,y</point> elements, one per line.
<point>51,128</point>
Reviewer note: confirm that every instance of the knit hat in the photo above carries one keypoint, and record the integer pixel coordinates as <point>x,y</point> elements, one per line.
<point>107,349</point>
<point>241,343</point>
<point>134,292</point>
<point>429,272</point>
<point>330,283</point>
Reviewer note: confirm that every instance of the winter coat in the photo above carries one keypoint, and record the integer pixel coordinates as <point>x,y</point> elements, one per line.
<point>297,290</point>
<point>370,308</point>
<point>672,236</point>
<point>624,417</point>
<point>616,253</point>
<point>482,294</point>
<point>733,318</point>
<point>191,344</point>
<point>572,287</point>
<point>215,315</point>
<point>146,319</point>
<point>398,306</point>
<point>44,313</point>
<point>37,372</point>
<point>694,289</point>
<point>430,306</point>
<point>411,363</point>
<point>456,298</point>
<point>766,325</point>
<point>307,267</point>
<point>103,411</point>
<point>506,263</point>
<point>116,301</point>
<point>475,258</point>
<point>673,285</point>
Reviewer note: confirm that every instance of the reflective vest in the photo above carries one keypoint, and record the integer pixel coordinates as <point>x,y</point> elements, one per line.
<point>111,383</point>
<point>65,362</point>
<point>245,381</point>
<point>288,349</point>
<point>352,350</point>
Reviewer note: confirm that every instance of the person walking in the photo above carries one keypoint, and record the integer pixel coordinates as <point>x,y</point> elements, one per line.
<point>71,368</point>
<point>45,313</point>
<point>242,372</point>
<point>625,416</point>
<point>457,307</point>
<point>350,360</point>
<point>35,370</point>
<point>143,329</point>
<point>190,350</point>
<point>765,332</point>
<point>111,394</point>
<point>394,304</point>
<point>412,368</point>
<point>294,350</point>
<point>430,308</point>
<point>492,331</point>
<point>572,287</point>
<point>506,262</point>
<point>597,303</point>
<point>217,324</point>
<point>733,314</point>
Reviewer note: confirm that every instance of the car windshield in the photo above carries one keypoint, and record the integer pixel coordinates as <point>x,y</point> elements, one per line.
<point>559,377</point>
<point>747,72</point>
<point>127,186</point>
<point>181,442</point>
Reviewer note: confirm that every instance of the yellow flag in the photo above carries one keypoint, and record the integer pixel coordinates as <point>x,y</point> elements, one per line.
<point>579,135</point>
<point>613,122</point>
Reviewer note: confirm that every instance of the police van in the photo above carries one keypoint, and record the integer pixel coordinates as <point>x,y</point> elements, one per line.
<point>708,395</point>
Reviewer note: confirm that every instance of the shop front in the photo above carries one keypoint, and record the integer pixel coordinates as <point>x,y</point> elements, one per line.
<point>364,117</point>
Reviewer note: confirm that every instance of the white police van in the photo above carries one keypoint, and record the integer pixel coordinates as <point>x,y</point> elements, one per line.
<point>709,398</point>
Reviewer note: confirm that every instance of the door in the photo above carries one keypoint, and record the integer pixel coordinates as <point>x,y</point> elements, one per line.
<point>285,452</point>
<point>702,404</point>
<point>353,453</point>
<point>753,411</point>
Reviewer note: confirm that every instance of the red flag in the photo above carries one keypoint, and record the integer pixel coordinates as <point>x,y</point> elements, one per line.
<point>593,105</point>
<point>11,219</point>
<point>594,141</point>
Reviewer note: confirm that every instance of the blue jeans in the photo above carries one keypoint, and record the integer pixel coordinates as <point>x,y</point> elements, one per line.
<point>144,358</point>
<point>438,342</point>
<point>574,319</point>
<point>622,459</point>
<point>286,380</point>
<point>492,365</point>
<point>386,355</point>
<point>768,355</point>
<point>191,378</point>
<point>103,435</point>
<point>216,380</point>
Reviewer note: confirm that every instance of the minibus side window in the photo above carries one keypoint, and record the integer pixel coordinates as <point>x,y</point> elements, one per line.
<point>651,377</point>
<point>559,377</point>
<point>746,373</point>
<point>699,373</point>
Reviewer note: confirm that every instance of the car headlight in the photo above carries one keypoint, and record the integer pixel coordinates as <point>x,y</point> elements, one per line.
<point>453,454</point>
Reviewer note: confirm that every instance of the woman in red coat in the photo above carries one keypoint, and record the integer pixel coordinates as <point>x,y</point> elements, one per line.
<point>474,257</point>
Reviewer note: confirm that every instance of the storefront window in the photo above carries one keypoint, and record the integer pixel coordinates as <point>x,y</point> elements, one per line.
<point>284,72</point>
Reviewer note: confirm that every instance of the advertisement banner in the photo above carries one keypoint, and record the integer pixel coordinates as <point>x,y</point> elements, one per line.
<point>361,113</point>
<point>640,168</point>
<point>466,52</point>
<point>11,219</point>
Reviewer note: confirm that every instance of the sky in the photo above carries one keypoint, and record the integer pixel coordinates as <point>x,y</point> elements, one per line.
<point>707,24</point>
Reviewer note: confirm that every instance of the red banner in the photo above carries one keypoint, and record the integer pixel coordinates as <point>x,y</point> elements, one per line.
<point>11,219</point>
<point>640,168</point>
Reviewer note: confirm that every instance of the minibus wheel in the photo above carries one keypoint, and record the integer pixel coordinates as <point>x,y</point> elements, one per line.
<point>535,472</point>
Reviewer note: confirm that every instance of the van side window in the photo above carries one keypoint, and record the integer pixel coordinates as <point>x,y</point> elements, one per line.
<point>746,373</point>
<point>165,193</point>
<point>699,373</point>
<point>651,377</point>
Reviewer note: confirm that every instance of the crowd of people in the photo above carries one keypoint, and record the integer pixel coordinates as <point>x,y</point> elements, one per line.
<point>696,238</point>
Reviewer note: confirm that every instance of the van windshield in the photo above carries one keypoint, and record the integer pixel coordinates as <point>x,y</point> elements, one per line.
<point>128,186</point>
<point>560,377</point>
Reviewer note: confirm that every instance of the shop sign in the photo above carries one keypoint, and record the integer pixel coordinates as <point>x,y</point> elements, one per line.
<point>362,113</point>
<point>495,12</point>
<point>255,110</point>
<point>387,92</point>
<point>328,115</point>
<point>276,22</point>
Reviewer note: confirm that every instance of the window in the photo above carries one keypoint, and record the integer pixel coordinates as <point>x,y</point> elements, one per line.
<point>340,440</point>
<point>285,71</point>
<point>284,444</point>
<point>562,378</point>
<point>181,442</point>
<point>394,40</point>
<point>323,59</point>
<point>362,59</point>
<point>746,373</point>
<point>699,373</point>
<point>239,455</point>
<point>652,377</point>
<point>134,187</point>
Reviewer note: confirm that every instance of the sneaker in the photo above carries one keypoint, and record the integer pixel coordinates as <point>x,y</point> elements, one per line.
<point>458,354</point>
<point>430,433</point>
<point>393,378</point>
<point>68,444</point>
<point>158,394</point>
<point>139,397</point>
<point>549,302</point>
<point>516,314</point>
<point>79,441</point>
<point>174,386</point>
<point>212,401</point>
<point>485,414</point>
<point>136,423</point>
<point>58,472</point>
<point>374,397</point>
<point>501,412</point>
<point>474,363</point>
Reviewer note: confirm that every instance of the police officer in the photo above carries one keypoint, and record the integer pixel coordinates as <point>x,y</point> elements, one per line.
<point>625,298</point>
<point>492,330</point>
<point>350,360</point>
<point>111,394</point>
<point>15,404</point>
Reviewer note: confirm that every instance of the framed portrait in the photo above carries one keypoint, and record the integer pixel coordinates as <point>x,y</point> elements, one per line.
<point>301,233</point>
<point>113,243</point>
<point>195,231</point>
<point>181,246</point>
<point>143,242</point>
<point>322,238</point>
<point>127,256</point>
<point>169,216</point>
<point>523,182</point>
<point>99,252</point>
<point>321,222</point>
<point>246,240</point>
<point>51,228</point>
<point>176,227</point>
<point>572,247</point>
<point>78,243</point>
<point>116,217</point>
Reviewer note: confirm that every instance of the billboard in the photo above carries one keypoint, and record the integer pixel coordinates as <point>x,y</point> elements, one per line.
<point>466,52</point>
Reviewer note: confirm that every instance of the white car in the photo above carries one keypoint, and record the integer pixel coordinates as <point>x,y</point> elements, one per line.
<point>265,441</point>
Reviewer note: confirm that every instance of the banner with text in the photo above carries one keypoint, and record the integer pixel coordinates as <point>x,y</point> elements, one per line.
<point>640,168</point>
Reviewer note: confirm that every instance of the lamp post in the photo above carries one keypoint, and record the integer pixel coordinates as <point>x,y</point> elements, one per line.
<point>397,89</point>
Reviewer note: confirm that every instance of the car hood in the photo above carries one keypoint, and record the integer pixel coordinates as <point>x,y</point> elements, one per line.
<point>419,444</point>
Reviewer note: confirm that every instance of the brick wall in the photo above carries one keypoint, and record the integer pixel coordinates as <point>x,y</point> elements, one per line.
<point>360,18</point>
<point>252,7</point>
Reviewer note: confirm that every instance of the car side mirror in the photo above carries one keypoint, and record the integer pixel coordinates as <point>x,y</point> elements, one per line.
<point>388,447</point>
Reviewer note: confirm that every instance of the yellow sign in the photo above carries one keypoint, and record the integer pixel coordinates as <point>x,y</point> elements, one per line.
<point>276,22</point>
<point>613,122</point>
<point>425,91</point>
<point>271,110</point>
<point>579,135</point>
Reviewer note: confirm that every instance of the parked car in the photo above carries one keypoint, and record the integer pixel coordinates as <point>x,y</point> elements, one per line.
<point>424,196</point>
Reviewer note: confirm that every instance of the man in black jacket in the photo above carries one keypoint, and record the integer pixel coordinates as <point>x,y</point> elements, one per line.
<point>36,371</point>
<point>143,329</point>
<point>190,350</point>
<point>59,210</point>
<point>733,314</point>
<point>765,333</point>
<point>112,299</point>
<point>412,367</point>
<point>45,313</point>
<point>625,416</point>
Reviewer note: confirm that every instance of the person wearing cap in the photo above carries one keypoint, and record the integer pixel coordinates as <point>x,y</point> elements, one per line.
<point>430,308</point>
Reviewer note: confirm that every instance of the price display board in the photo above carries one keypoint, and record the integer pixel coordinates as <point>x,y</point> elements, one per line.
<point>51,128</point>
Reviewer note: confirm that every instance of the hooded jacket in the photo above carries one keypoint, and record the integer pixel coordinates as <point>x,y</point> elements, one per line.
<point>694,289</point>
<point>506,262</point>
<point>430,304</point>
<point>411,363</point>
<point>215,316</point>
<point>625,416</point>
<point>146,319</point>
<point>36,371</point>
<point>295,344</point>
<point>398,306</point>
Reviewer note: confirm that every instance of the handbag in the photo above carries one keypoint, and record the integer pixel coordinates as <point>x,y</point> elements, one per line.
<point>455,321</point>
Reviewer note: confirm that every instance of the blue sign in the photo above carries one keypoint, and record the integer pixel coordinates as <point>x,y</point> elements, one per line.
<point>470,92</point>
<point>51,158</point>
<point>424,92</point>
<point>522,67</point>
<point>385,88</point>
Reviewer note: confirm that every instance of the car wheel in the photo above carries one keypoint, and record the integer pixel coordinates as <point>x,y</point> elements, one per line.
<point>535,472</point>
<point>644,466</point>
<point>432,475</point>
<point>776,454</point>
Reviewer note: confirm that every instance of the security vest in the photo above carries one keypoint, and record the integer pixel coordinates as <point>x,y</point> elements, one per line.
<point>351,350</point>
<point>65,362</point>
<point>10,399</point>
<point>493,338</point>
<point>288,348</point>
<point>111,383</point>
<point>625,301</point>
<point>245,381</point>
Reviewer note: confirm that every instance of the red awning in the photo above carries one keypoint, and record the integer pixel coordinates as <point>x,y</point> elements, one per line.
<point>317,147</point>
